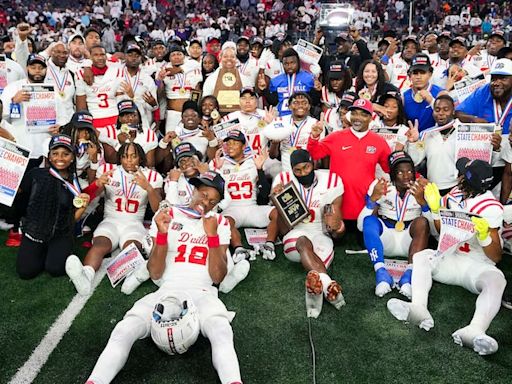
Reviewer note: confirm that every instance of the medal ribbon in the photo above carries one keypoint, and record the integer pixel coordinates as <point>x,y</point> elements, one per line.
<point>181,80</point>
<point>435,129</point>
<point>401,205</point>
<point>296,135</point>
<point>455,195</point>
<point>243,67</point>
<point>183,135</point>
<point>127,191</point>
<point>187,211</point>
<point>129,79</point>
<point>73,188</point>
<point>307,194</point>
<point>499,115</point>
<point>291,84</point>
<point>60,83</point>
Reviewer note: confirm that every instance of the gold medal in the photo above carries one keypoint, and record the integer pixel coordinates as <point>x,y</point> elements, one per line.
<point>237,167</point>
<point>125,128</point>
<point>182,91</point>
<point>420,145</point>
<point>228,79</point>
<point>364,94</point>
<point>78,202</point>
<point>214,114</point>
<point>399,226</point>
<point>61,94</point>
<point>418,98</point>
<point>262,123</point>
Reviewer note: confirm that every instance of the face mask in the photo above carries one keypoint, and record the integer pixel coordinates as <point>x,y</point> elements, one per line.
<point>306,180</point>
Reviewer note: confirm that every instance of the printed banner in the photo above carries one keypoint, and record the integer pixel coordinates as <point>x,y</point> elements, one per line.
<point>40,111</point>
<point>13,163</point>
<point>3,73</point>
<point>465,87</point>
<point>474,141</point>
<point>396,268</point>
<point>221,130</point>
<point>456,228</point>
<point>123,264</point>
<point>388,134</point>
<point>308,52</point>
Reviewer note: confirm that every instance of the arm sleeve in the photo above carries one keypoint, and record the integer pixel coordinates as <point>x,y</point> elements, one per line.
<point>470,105</point>
<point>263,188</point>
<point>271,97</point>
<point>21,51</point>
<point>364,52</point>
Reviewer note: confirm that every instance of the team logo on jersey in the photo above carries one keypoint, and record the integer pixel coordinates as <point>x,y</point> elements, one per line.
<point>371,149</point>
<point>176,226</point>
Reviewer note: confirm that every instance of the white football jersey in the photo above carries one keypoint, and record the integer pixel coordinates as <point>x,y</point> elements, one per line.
<point>241,181</point>
<point>326,188</point>
<point>64,85</point>
<point>186,264</point>
<point>483,61</point>
<point>180,85</point>
<point>332,120</point>
<point>178,192</point>
<point>151,66</point>
<point>141,83</point>
<point>391,200</point>
<point>397,70</point>
<point>101,96</point>
<point>249,71</point>
<point>486,206</point>
<point>249,125</point>
<point>194,137</point>
<point>329,98</point>
<point>125,200</point>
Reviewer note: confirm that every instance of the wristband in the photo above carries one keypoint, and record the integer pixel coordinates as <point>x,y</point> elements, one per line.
<point>369,203</point>
<point>158,82</point>
<point>425,208</point>
<point>162,144</point>
<point>384,59</point>
<point>485,242</point>
<point>213,241</point>
<point>161,238</point>
<point>213,143</point>
<point>94,166</point>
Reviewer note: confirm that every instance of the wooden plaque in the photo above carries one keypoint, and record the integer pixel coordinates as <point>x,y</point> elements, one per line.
<point>290,205</point>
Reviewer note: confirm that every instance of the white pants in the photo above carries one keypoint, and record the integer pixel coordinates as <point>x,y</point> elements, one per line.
<point>322,245</point>
<point>249,216</point>
<point>119,233</point>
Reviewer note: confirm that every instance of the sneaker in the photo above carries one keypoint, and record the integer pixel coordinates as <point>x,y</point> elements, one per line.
<point>4,226</point>
<point>314,298</point>
<point>239,272</point>
<point>268,251</point>
<point>383,282</point>
<point>507,301</point>
<point>240,254</point>
<point>414,314</point>
<point>13,239</point>
<point>472,337</point>
<point>404,284</point>
<point>75,271</point>
<point>134,279</point>
<point>334,295</point>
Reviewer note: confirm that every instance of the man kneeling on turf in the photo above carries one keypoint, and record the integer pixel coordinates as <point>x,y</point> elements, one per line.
<point>306,242</point>
<point>391,221</point>
<point>470,265</point>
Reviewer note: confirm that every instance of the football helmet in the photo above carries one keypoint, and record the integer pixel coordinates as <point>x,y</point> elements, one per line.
<point>174,325</point>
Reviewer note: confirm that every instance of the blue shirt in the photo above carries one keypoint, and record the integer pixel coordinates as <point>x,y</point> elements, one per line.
<point>479,103</point>
<point>420,111</point>
<point>304,82</point>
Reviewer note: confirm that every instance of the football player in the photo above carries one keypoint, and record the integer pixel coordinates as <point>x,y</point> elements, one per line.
<point>189,256</point>
<point>470,265</point>
<point>391,222</point>
<point>306,243</point>
<point>128,188</point>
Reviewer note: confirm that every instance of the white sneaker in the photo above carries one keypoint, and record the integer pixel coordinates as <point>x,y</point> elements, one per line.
<point>135,279</point>
<point>240,254</point>
<point>314,294</point>
<point>414,314</point>
<point>268,251</point>
<point>406,290</point>
<point>75,271</point>
<point>474,338</point>
<point>334,295</point>
<point>239,272</point>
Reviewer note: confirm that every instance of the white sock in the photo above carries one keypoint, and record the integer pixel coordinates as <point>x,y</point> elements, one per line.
<point>326,281</point>
<point>89,272</point>
<point>115,354</point>
<point>421,280</point>
<point>488,303</point>
<point>218,330</point>
<point>378,266</point>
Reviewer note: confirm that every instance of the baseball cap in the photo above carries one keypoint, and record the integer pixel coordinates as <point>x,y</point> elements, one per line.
<point>382,42</point>
<point>336,70</point>
<point>60,140</point>
<point>342,36</point>
<point>212,38</point>
<point>444,35</point>
<point>420,61</point>
<point>363,104</point>
<point>502,67</point>
<point>133,47</point>
<point>35,58</point>
<point>184,150</point>
<point>257,40</point>
<point>498,33</point>
<point>300,156</point>
<point>248,90</point>
<point>243,38</point>
<point>235,134</point>
<point>412,38</point>
<point>156,42</point>
<point>82,119</point>
<point>398,157</point>
<point>75,36</point>
<point>477,173</point>
<point>458,39</point>
<point>210,179</point>
<point>195,41</point>
<point>175,48</point>
<point>126,106</point>
<point>347,99</point>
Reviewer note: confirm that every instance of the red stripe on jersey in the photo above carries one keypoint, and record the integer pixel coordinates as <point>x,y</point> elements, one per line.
<point>484,201</point>
<point>219,219</point>
<point>496,204</point>
<point>290,250</point>
<point>329,259</point>
<point>292,239</point>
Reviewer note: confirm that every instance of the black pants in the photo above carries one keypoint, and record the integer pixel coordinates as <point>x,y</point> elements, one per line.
<point>34,258</point>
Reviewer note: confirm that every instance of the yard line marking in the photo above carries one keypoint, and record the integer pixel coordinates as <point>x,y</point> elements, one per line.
<point>29,371</point>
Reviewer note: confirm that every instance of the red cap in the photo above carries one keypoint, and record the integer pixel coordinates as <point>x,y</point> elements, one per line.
<point>365,105</point>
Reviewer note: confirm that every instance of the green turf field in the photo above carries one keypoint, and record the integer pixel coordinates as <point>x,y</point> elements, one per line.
<point>361,343</point>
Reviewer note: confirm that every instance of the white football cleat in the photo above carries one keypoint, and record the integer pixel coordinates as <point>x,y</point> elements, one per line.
<point>268,251</point>
<point>241,253</point>
<point>406,290</point>
<point>414,314</point>
<point>334,295</point>
<point>472,337</point>
<point>239,272</point>
<point>314,297</point>
<point>75,271</point>
<point>135,279</point>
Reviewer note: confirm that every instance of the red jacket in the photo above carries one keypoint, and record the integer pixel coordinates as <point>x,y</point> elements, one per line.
<point>354,160</point>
